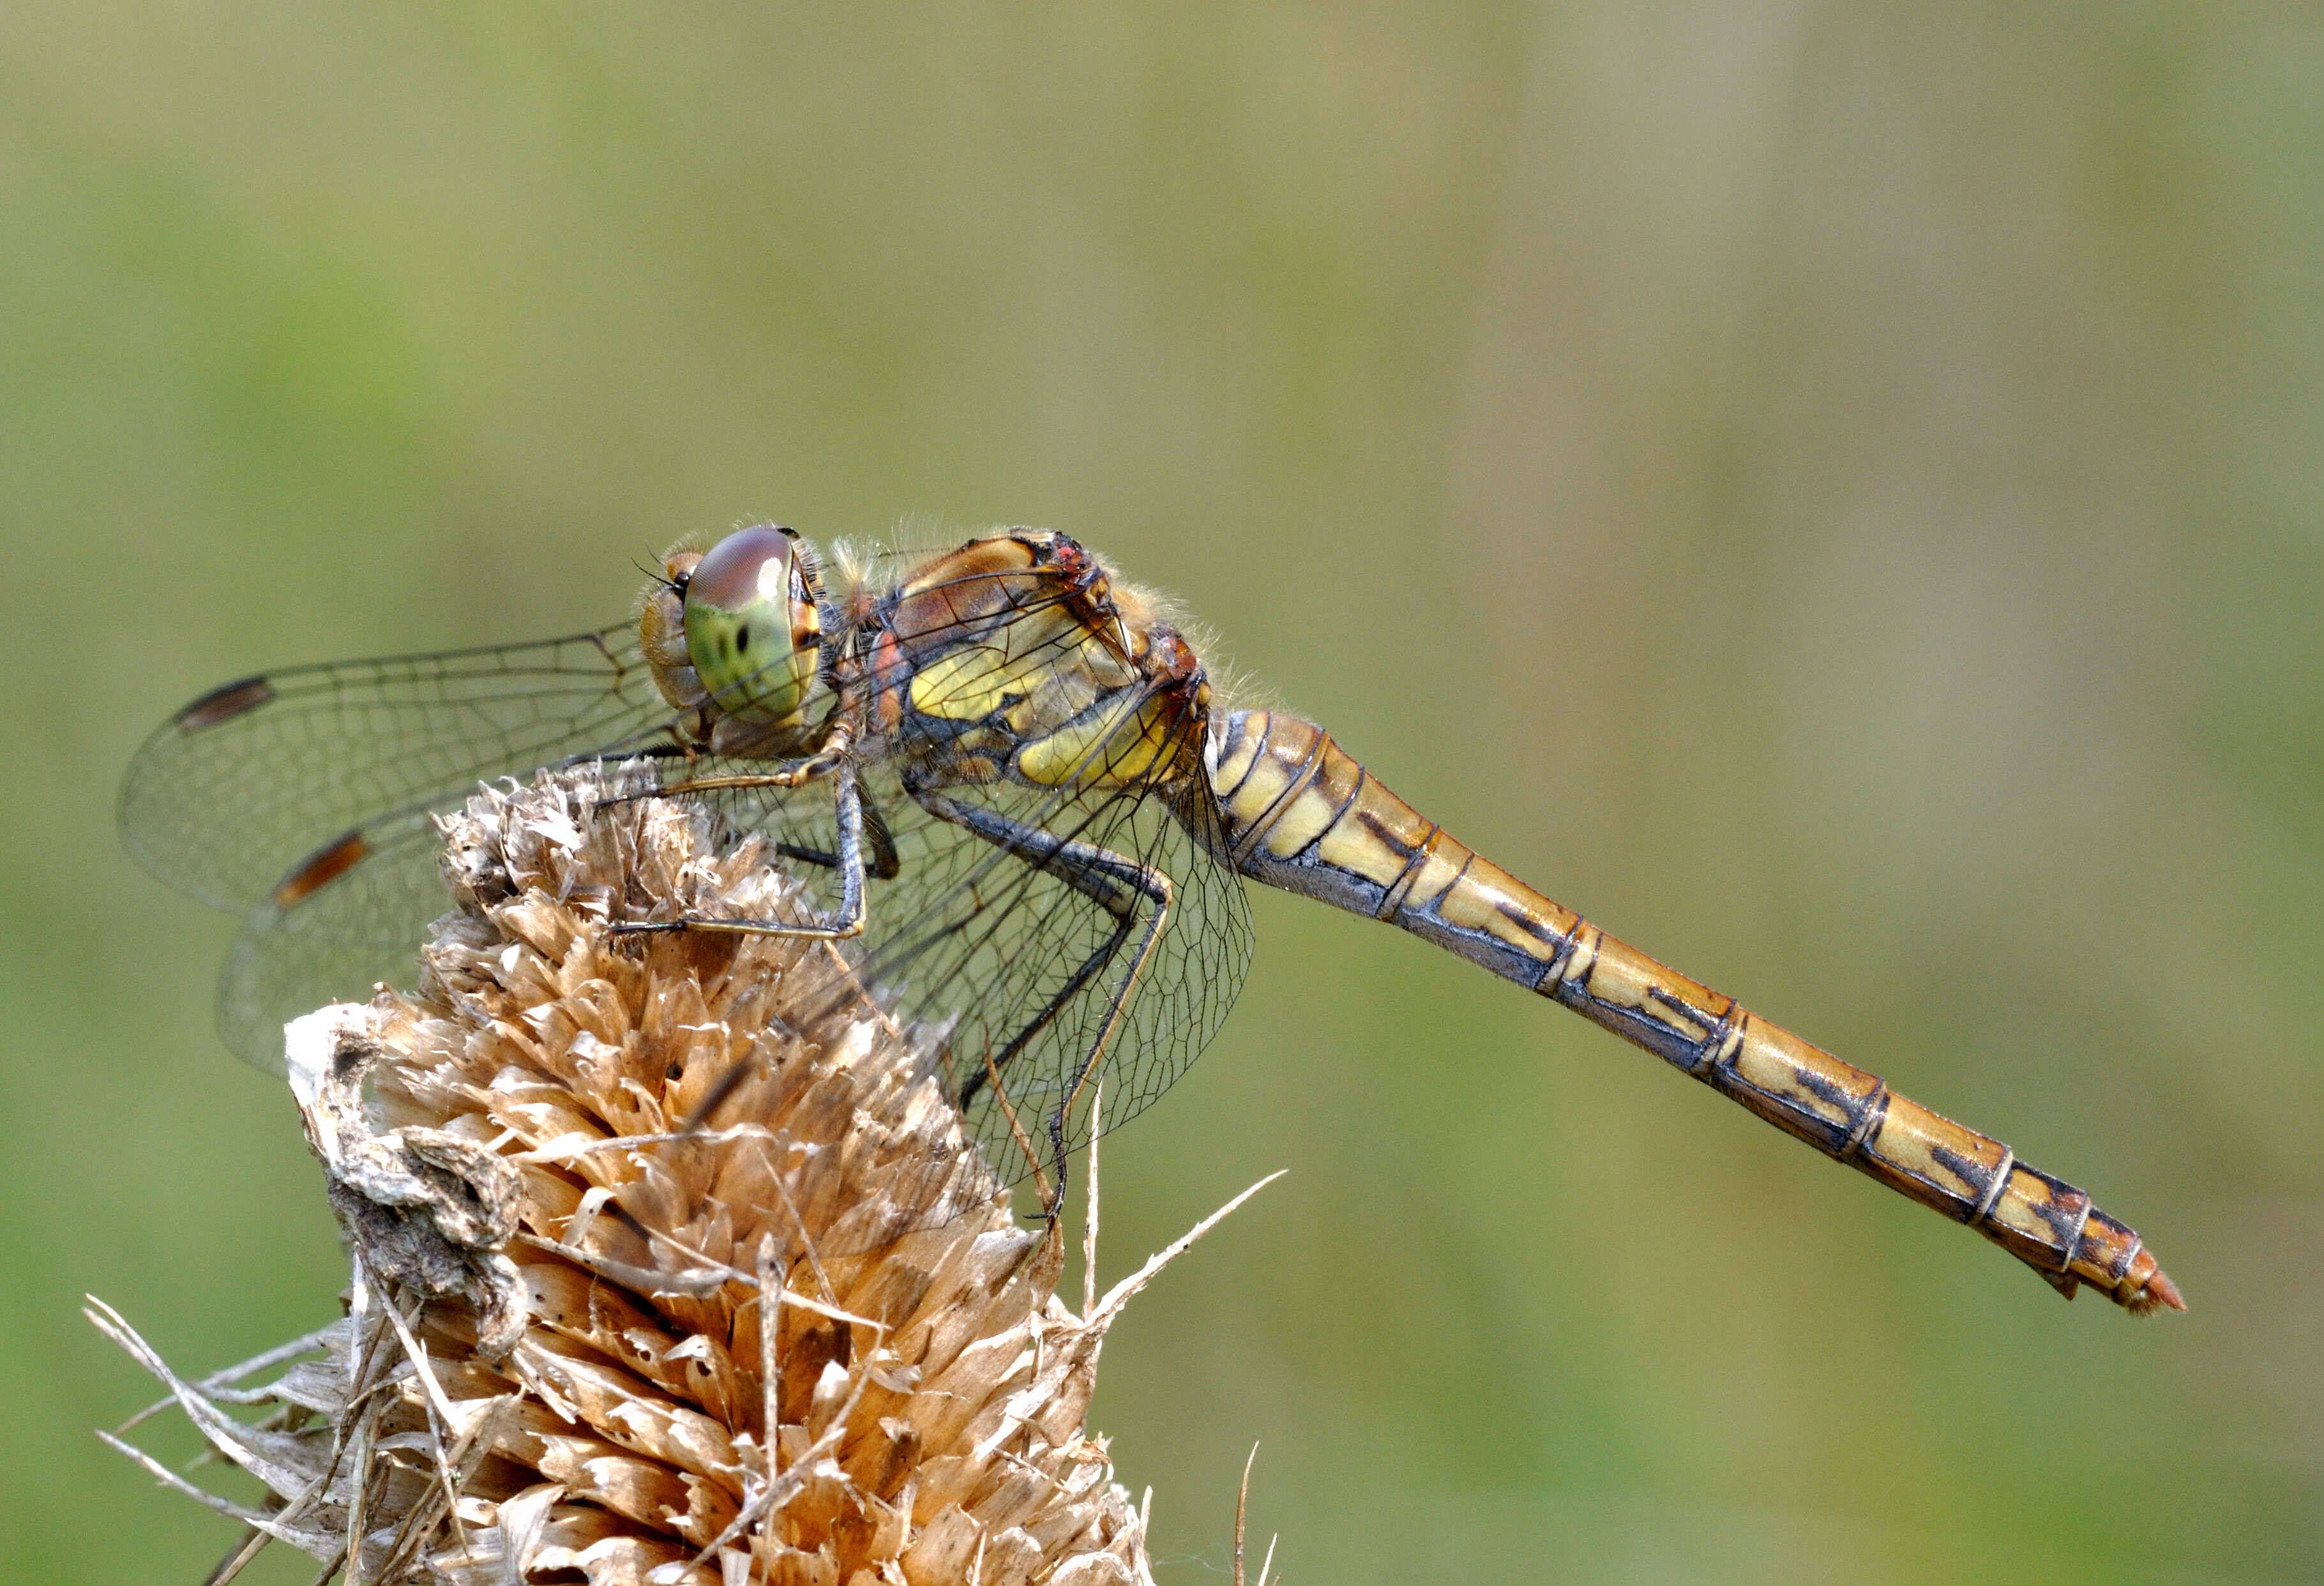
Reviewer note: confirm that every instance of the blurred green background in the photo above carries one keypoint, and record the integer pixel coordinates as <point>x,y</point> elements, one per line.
<point>1832,491</point>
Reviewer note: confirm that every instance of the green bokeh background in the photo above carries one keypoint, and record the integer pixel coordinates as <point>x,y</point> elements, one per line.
<point>1835,492</point>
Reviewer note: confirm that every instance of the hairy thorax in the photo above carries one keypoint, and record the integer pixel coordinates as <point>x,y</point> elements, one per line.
<point>1016,657</point>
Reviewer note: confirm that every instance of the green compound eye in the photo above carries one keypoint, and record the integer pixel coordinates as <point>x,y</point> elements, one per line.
<point>751,627</point>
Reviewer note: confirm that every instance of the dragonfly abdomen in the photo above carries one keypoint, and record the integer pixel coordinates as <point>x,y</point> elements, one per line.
<point>1300,815</point>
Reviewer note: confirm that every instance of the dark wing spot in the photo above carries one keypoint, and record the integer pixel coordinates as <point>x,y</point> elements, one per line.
<point>225,703</point>
<point>319,868</point>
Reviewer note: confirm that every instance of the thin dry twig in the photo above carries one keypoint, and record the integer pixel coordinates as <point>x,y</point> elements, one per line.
<point>1118,1296</point>
<point>1089,1225</point>
<point>1242,1500</point>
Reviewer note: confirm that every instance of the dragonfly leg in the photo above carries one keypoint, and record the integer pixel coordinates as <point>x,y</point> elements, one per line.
<point>847,920</point>
<point>1122,886</point>
<point>880,861</point>
<point>828,760</point>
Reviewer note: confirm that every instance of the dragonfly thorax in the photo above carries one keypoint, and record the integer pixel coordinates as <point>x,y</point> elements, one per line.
<point>1020,656</point>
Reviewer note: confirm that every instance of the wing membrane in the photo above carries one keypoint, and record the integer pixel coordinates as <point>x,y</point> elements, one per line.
<point>1022,967</point>
<point>363,928</point>
<point>228,798</point>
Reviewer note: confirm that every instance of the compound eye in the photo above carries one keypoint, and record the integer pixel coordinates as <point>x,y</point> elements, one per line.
<point>749,566</point>
<point>751,627</point>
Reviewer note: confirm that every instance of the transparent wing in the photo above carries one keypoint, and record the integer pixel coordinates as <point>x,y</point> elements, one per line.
<point>1044,989</point>
<point>238,790</point>
<point>334,947</point>
<point>302,800</point>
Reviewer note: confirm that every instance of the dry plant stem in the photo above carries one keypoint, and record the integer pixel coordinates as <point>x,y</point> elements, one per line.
<point>1089,1225</point>
<point>1242,1502</point>
<point>809,1346</point>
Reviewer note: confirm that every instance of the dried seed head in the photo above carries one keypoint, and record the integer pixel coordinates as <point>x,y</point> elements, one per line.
<point>807,1344</point>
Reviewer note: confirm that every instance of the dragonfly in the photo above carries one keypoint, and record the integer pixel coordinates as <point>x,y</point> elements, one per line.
<point>1023,810</point>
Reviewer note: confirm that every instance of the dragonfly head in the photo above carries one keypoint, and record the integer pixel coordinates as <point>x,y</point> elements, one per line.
<point>753,627</point>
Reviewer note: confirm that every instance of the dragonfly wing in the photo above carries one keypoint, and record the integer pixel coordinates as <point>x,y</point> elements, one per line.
<point>335,945</point>
<point>1021,966</point>
<point>302,800</point>
<point>242,789</point>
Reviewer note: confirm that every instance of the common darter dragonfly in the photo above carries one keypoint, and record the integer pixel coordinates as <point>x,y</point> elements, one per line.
<point>1027,817</point>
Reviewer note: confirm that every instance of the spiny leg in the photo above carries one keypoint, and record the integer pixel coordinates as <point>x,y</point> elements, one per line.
<point>1114,882</point>
<point>829,756</point>
<point>848,921</point>
<point>854,813</point>
<point>881,862</point>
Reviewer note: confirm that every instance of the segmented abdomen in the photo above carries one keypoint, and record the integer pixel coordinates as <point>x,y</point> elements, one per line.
<point>1301,816</point>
